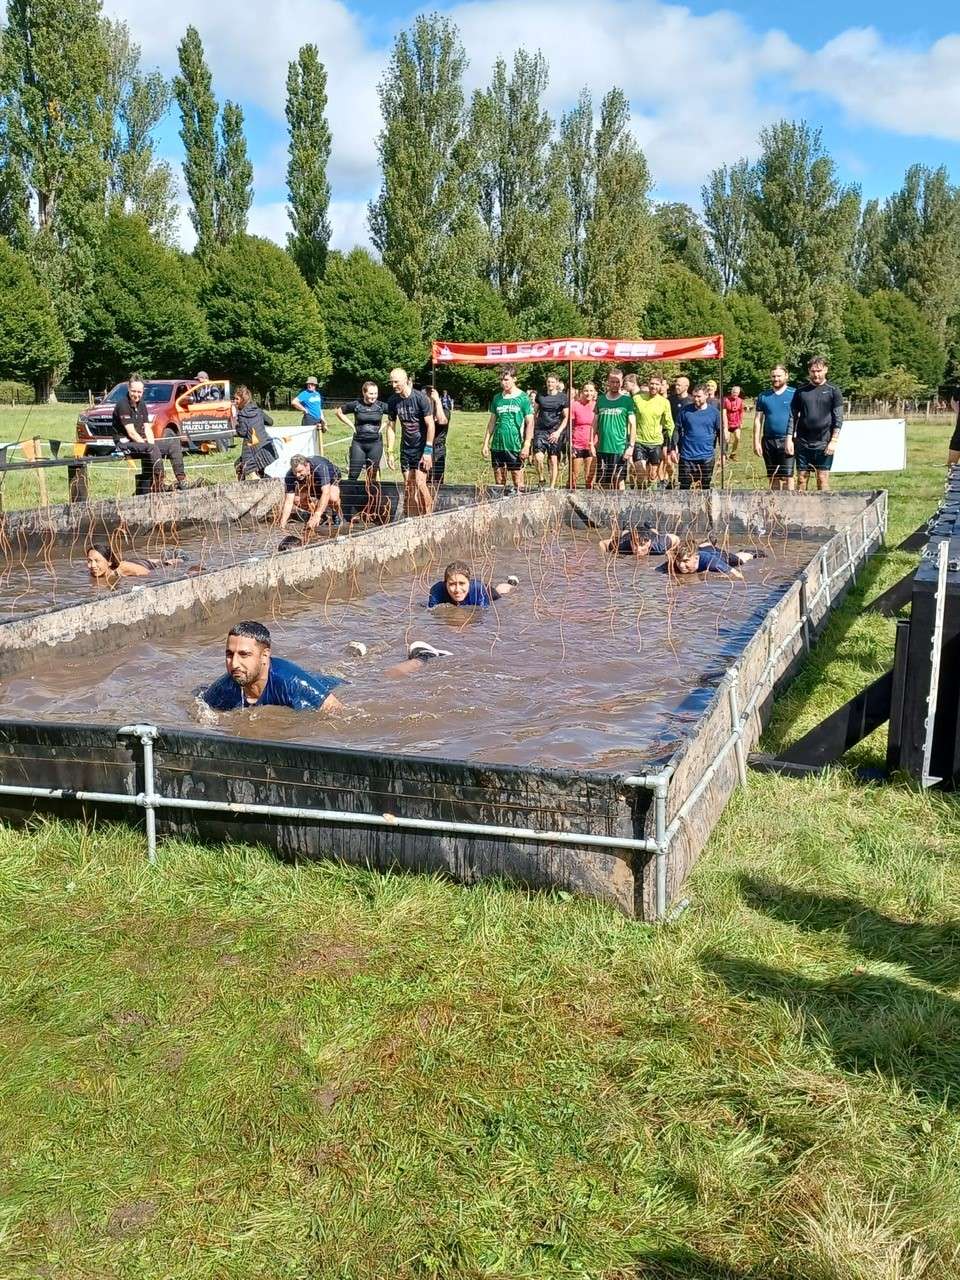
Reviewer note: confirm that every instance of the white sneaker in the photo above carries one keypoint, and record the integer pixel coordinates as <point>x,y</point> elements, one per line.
<point>420,649</point>
<point>357,648</point>
<point>513,580</point>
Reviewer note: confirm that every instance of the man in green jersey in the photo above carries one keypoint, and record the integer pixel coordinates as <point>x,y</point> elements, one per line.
<point>509,431</point>
<point>615,432</point>
<point>654,429</point>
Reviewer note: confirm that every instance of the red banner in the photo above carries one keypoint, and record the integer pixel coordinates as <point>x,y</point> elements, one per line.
<point>560,350</point>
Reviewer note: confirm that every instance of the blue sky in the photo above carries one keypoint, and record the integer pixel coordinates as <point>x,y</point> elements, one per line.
<point>883,82</point>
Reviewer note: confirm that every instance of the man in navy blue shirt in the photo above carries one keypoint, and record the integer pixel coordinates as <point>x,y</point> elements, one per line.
<point>255,678</point>
<point>771,425</point>
<point>694,441</point>
<point>312,486</point>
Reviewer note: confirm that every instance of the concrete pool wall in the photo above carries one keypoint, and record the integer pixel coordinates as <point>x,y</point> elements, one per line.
<point>629,840</point>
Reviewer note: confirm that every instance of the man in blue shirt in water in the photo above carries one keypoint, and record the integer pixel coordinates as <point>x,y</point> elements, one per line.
<point>255,678</point>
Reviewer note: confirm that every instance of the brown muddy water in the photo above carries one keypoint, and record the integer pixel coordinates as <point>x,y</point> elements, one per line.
<point>593,662</point>
<point>36,581</point>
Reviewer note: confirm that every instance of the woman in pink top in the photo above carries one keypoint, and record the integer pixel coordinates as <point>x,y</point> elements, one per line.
<point>582,413</point>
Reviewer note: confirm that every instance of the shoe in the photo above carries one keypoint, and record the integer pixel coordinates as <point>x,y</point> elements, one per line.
<point>420,649</point>
<point>290,543</point>
<point>513,580</point>
<point>337,521</point>
<point>357,648</point>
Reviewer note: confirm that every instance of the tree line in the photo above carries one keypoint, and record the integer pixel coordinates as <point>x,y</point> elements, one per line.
<point>493,221</point>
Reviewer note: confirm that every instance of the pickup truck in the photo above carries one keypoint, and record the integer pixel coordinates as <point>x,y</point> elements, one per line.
<point>200,413</point>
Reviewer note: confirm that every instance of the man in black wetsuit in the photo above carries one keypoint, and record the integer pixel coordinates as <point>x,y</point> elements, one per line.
<point>133,436</point>
<point>816,419</point>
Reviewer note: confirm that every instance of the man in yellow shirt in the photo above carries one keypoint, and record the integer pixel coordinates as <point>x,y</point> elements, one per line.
<point>654,429</point>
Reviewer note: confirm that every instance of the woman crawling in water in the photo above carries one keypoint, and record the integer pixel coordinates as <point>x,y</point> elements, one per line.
<point>104,563</point>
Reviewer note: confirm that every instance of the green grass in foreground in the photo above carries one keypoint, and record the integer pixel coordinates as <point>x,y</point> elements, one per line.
<point>224,1067</point>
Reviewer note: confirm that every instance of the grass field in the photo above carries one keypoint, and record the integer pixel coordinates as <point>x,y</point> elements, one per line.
<point>225,1068</point>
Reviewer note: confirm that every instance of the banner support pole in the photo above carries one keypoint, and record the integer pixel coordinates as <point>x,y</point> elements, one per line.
<point>570,424</point>
<point>723,434</point>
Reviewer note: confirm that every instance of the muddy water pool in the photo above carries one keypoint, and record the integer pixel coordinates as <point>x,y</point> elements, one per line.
<point>593,662</point>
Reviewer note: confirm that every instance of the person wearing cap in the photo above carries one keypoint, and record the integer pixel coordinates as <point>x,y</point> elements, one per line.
<point>310,404</point>
<point>203,392</point>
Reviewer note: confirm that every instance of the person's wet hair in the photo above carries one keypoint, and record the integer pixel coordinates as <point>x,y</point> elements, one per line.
<point>102,549</point>
<point>684,549</point>
<point>456,566</point>
<point>251,631</point>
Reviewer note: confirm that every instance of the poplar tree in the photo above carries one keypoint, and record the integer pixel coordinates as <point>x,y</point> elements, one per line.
<point>56,129</point>
<point>920,243</point>
<point>726,198</point>
<point>802,224</point>
<point>234,186</point>
<point>309,155</point>
<point>193,89</point>
<point>620,242</point>
<point>423,221</point>
<point>575,162</point>
<point>138,101</point>
<point>681,237</point>
<point>522,206</point>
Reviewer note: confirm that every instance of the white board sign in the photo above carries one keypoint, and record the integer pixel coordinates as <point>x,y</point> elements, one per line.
<point>290,440</point>
<point>872,444</point>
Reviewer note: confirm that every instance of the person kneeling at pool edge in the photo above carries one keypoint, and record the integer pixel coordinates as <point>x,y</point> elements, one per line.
<point>459,588</point>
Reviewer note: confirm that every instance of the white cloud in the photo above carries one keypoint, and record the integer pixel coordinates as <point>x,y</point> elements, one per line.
<point>248,48</point>
<point>905,90</point>
<point>701,86</point>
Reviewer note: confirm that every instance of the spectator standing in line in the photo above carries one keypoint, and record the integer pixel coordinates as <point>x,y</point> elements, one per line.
<point>133,436</point>
<point>413,410</point>
<point>816,419</point>
<point>770,426</point>
<point>654,431</point>
<point>204,393</point>
<point>695,441</point>
<point>615,432</point>
<point>732,421</point>
<point>309,403</point>
<point>366,447</point>
<point>442,412</point>
<point>552,410</point>
<point>506,442</point>
<point>582,412</point>
<point>679,397</point>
